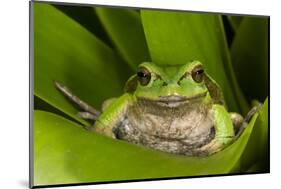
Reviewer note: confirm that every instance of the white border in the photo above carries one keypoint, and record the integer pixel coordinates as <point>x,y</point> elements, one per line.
<point>14,103</point>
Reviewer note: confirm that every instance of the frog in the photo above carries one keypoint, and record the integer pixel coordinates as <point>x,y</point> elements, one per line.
<point>177,109</point>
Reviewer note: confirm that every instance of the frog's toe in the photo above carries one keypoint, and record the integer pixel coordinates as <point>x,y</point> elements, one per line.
<point>87,115</point>
<point>237,120</point>
<point>247,118</point>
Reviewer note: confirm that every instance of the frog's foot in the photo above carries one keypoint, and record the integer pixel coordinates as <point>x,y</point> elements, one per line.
<point>87,115</point>
<point>247,118</point>
<point>237,121</point>
<point>76,100</point>
<point>216,145</point>
<point>252,112</point>
<point>211,148</point>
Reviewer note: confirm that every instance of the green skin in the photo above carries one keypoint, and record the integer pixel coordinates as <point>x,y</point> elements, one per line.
<point>115,109</point>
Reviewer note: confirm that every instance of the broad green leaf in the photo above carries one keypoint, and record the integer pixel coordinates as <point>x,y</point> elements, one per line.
<point>86,17</point>
<point>235,21</point>
<point>249,54</point>
<point>66,52</point>
<point>257,147</point>
<point>40,104</point>
<point>125,29</point>
<point>178,37</point>
<point>66,153</point>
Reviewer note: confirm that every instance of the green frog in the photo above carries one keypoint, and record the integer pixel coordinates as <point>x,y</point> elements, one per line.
<point>177,109</point>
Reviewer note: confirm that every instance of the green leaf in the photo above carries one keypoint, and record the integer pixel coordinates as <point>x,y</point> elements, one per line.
<point>235,21</point>
<point>249,53</point>
<point>66,153</point>
<point>125,29</point>
<point>256,153</point>
<point>40,104</point>
<point>67,52</point>
<point>178,37</point>
<point>85,16</point>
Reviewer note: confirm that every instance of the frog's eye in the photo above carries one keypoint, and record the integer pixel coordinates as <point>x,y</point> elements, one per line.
<point>144,76</point>
<point>197,74</point>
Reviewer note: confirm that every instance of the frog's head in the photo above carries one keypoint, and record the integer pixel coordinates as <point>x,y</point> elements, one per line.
<point>169,84</point>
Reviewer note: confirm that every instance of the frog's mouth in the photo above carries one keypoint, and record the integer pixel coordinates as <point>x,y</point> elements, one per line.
<point>177,100</point>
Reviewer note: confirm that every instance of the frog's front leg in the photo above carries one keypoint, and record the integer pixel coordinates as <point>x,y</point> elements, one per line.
<point>112,115</point>
<point>224,131</point>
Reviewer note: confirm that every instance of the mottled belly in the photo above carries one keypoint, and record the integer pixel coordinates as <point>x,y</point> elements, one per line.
<point>180,130</point>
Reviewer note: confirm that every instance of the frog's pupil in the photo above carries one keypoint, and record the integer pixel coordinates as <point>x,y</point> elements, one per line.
<point>141,74</point>
<point>197,74</point>
<point>144,76</point>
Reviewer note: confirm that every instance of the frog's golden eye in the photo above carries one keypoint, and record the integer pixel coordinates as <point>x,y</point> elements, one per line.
<point>144,76</point>
<point>197,74</point>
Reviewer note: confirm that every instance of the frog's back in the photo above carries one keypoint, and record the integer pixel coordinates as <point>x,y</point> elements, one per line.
<point>182,129</point>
